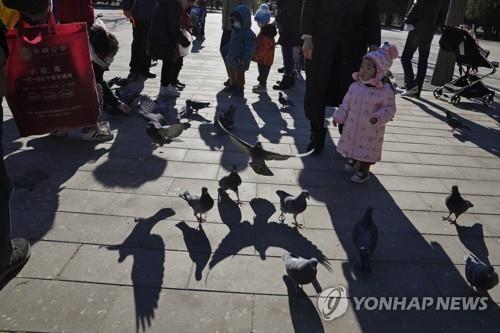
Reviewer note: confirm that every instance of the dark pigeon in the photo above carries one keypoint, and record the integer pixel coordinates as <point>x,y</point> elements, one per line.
<point>364,237</point>
<point>456,204</point>
<point>481,276</point>
<point>300,270</point>
<point>292,205</point>
<point>161,135</point>
<point>200,204</point>
<point>284,100</point>
<point>231,182</point>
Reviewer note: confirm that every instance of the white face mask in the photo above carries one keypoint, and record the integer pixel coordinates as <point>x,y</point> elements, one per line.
<point>236,25</point>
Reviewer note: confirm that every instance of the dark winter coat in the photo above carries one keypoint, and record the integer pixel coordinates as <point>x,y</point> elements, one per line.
<point>165,31</point>
<point>142,10</point>
<point>288,19</point>
<point>74,11</point>
<point>341,30</point>
<point>239,50</point>
<point>264,52</point>
<point>427,15</point>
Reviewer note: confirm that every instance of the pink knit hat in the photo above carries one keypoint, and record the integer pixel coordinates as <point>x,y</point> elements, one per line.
<point>382,58</point>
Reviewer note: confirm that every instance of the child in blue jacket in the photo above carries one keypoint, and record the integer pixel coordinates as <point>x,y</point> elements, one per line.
<point>239,50</point>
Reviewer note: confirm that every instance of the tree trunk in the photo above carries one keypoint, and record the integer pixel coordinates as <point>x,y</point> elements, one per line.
<point>445,64</point>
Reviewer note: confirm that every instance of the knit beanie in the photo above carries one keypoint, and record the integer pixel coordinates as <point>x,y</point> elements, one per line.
<point>263,15</point>
<point>382,58</point>
<point>30,7</point>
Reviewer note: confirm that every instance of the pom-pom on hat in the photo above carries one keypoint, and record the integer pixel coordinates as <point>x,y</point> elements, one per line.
<point>382,58</point>
<point>263,15</point>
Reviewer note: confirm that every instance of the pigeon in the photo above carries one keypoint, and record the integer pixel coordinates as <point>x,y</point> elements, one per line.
<point>456,204</point>
<point>201,205</point>
<point>284,100</point>
<point>147,110</point>
<point>365,236</point>
<point>300,270</point>
<point>161,135</point>
<point>258,154</point>
<point>231,182</point>
<point>480,275</point>
<point>196,105</point>
<point>454,123</point>
<point>226,118</point>
<point>292,205</point>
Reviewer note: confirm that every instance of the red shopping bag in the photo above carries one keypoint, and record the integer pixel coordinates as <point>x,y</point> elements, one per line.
<point>50,80</point>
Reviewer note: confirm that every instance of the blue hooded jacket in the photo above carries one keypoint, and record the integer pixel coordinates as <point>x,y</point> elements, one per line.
<point>241,46</point>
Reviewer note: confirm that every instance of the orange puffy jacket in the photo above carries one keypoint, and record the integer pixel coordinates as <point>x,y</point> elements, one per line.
<point>264,51</point>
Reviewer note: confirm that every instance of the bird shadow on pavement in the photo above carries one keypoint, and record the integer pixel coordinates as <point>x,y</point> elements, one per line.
<point>198,246</point>
<point>148,265</point>
<point>472,238</point>
<point>263,235</point>
<point>303,313</point>
<point>478,134</point>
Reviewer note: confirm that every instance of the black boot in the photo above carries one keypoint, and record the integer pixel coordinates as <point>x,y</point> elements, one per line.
<point>317,140</point>
<point>287,82</point>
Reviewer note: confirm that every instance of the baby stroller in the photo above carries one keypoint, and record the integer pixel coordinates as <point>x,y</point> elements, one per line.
<point>469,57</point>
<point>197,15</point>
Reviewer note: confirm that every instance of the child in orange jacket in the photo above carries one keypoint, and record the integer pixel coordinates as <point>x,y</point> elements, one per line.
<point>264,52</point>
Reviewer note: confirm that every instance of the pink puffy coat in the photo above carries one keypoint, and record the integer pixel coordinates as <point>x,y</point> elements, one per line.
<point>360,140</point>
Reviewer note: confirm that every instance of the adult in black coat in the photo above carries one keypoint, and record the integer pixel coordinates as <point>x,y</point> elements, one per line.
<point>164,37</point>
<point>423,19</point>
<point>288,20</point>
<point>336,34</point>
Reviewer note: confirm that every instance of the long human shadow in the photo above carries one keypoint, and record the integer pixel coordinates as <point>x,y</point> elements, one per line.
<point>263,235</point>
<point>400,263</point>
<point>148,266</point>
<point>39,173</point>
<point>303,313</point>
<point>198,246</point>
<point>480,135</point>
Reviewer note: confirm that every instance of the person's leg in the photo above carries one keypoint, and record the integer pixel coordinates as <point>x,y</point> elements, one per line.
<point>263,74</point>
<point>288,80</point>
<point>165,73</point>
<point>177,71</point>
<point>363,173</point>
<point>5,191</point>
<point>410,47</point>
<point>423,56</point>
<point>226,35</point>
<point>140,62</point>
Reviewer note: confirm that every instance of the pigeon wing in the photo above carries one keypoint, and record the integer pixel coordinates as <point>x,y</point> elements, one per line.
<point>172,131</point>
<point>241,144</point>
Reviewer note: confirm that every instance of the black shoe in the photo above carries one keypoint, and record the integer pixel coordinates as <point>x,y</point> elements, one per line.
<point>281,70</point>
<point>149,75</point>
<point>227,83</point>
<point>317,141</point>
<point>286,83</point>
<point>20,255</point>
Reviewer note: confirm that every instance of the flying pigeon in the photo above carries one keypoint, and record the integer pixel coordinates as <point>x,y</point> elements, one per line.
<point>258,154</point>
<point>196,105</point>
<point>292,205</point>
<point>300,270</point>
<point>161,135</point>
<point>365,236</point>
<point>454,123</point>
<point>480,275</point>
<point>201,205</point>
<point>284,100</point>
<point>226,118</point>
<point>456,204</point>
<point>231,182</point>
<point>146,108</point>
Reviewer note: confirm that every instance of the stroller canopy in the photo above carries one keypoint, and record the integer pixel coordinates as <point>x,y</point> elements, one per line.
<point>465,48</point>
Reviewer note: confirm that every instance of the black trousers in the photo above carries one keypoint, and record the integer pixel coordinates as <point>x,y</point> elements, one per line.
<point>263,74</point>
<point>169,72</point>
<point>5,191</point>
<point>140,61</point>
<point>421,41</point>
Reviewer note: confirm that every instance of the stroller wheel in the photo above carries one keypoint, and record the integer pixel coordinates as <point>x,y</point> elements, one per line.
<point>455,100</point>
<point>438,92</point>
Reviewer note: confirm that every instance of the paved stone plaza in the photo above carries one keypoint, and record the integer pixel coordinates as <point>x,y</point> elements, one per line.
<point>94,269</point>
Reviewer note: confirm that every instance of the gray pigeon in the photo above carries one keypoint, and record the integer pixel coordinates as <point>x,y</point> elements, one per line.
<point>454,123</point>
<point>300,270</point>
<point>257,153</point>
<point>201,205</point>
<point>147,109</point>
<point>456,204</point>
<point>231,182</point>
<point>292,205</point>
<point>226,118</point>
<point>284,100</point>
<point>161,135</point>
<point>480,275</point>
<point>365,236</point>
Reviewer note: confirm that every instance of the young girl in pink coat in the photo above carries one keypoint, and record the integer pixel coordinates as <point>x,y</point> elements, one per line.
<point>368,105</point>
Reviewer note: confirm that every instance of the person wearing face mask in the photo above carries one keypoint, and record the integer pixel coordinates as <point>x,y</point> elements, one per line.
<point>264,52</point>
<point>368,105</point>
<point>239,50</point>
<point>165,35</point>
